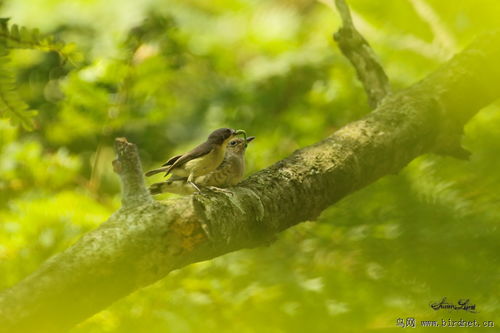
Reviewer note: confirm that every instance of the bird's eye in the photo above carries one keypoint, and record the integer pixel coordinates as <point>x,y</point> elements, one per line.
<point>233,143</point>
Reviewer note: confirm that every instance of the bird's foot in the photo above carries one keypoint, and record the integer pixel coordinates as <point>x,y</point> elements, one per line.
<point>220,190</point>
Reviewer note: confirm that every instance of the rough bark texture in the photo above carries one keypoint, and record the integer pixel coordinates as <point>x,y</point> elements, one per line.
<point>355,47</point>
<point>146,239</point>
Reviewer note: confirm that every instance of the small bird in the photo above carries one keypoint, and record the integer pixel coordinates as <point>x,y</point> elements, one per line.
<point>229,173</point>
<point>201,160</point>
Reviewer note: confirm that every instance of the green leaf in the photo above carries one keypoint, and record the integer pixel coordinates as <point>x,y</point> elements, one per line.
<point>15,37</point>
<point>11,105</point>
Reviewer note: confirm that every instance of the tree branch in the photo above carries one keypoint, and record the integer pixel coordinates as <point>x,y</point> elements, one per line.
<point>129,167</point>
<point>141,244</point>
<point>355,47</point>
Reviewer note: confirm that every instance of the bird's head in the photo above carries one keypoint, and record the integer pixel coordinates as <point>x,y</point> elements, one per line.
<point>223,135</point>
<point>238,145</point>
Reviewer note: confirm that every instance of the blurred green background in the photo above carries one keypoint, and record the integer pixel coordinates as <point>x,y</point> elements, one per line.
<point>166,73</point>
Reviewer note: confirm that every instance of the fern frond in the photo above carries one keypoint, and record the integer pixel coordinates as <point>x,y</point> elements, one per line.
<point>11,105</point>
<point>15,37</point>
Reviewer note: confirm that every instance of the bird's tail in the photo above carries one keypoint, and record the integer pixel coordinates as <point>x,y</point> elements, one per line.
<point>177,186</point>
<point>158,188</point>
<point>155,171</point>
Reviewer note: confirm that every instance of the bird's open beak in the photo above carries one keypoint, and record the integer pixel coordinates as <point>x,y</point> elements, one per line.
<point>247,140</point>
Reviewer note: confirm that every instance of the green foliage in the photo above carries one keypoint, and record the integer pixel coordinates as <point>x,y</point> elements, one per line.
<point>10,102</point>
<point>15,37</point>
<point>164,76</point>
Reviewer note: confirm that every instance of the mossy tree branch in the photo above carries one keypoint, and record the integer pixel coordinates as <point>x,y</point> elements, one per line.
<point>128,166</point>
<point>355,47</point>
<point>142,243</point>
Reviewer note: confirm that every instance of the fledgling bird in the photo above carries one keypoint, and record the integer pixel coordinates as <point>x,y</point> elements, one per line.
<point>229,173</point>
<point>202,159</point>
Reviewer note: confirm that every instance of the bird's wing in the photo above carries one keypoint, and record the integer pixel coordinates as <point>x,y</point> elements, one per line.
<point>197,152</point>
<point>155,171</point>
<point>172,160</point>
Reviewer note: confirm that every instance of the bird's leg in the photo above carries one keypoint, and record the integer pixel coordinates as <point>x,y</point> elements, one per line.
<point>190,181</point>
<point>194,185</point>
